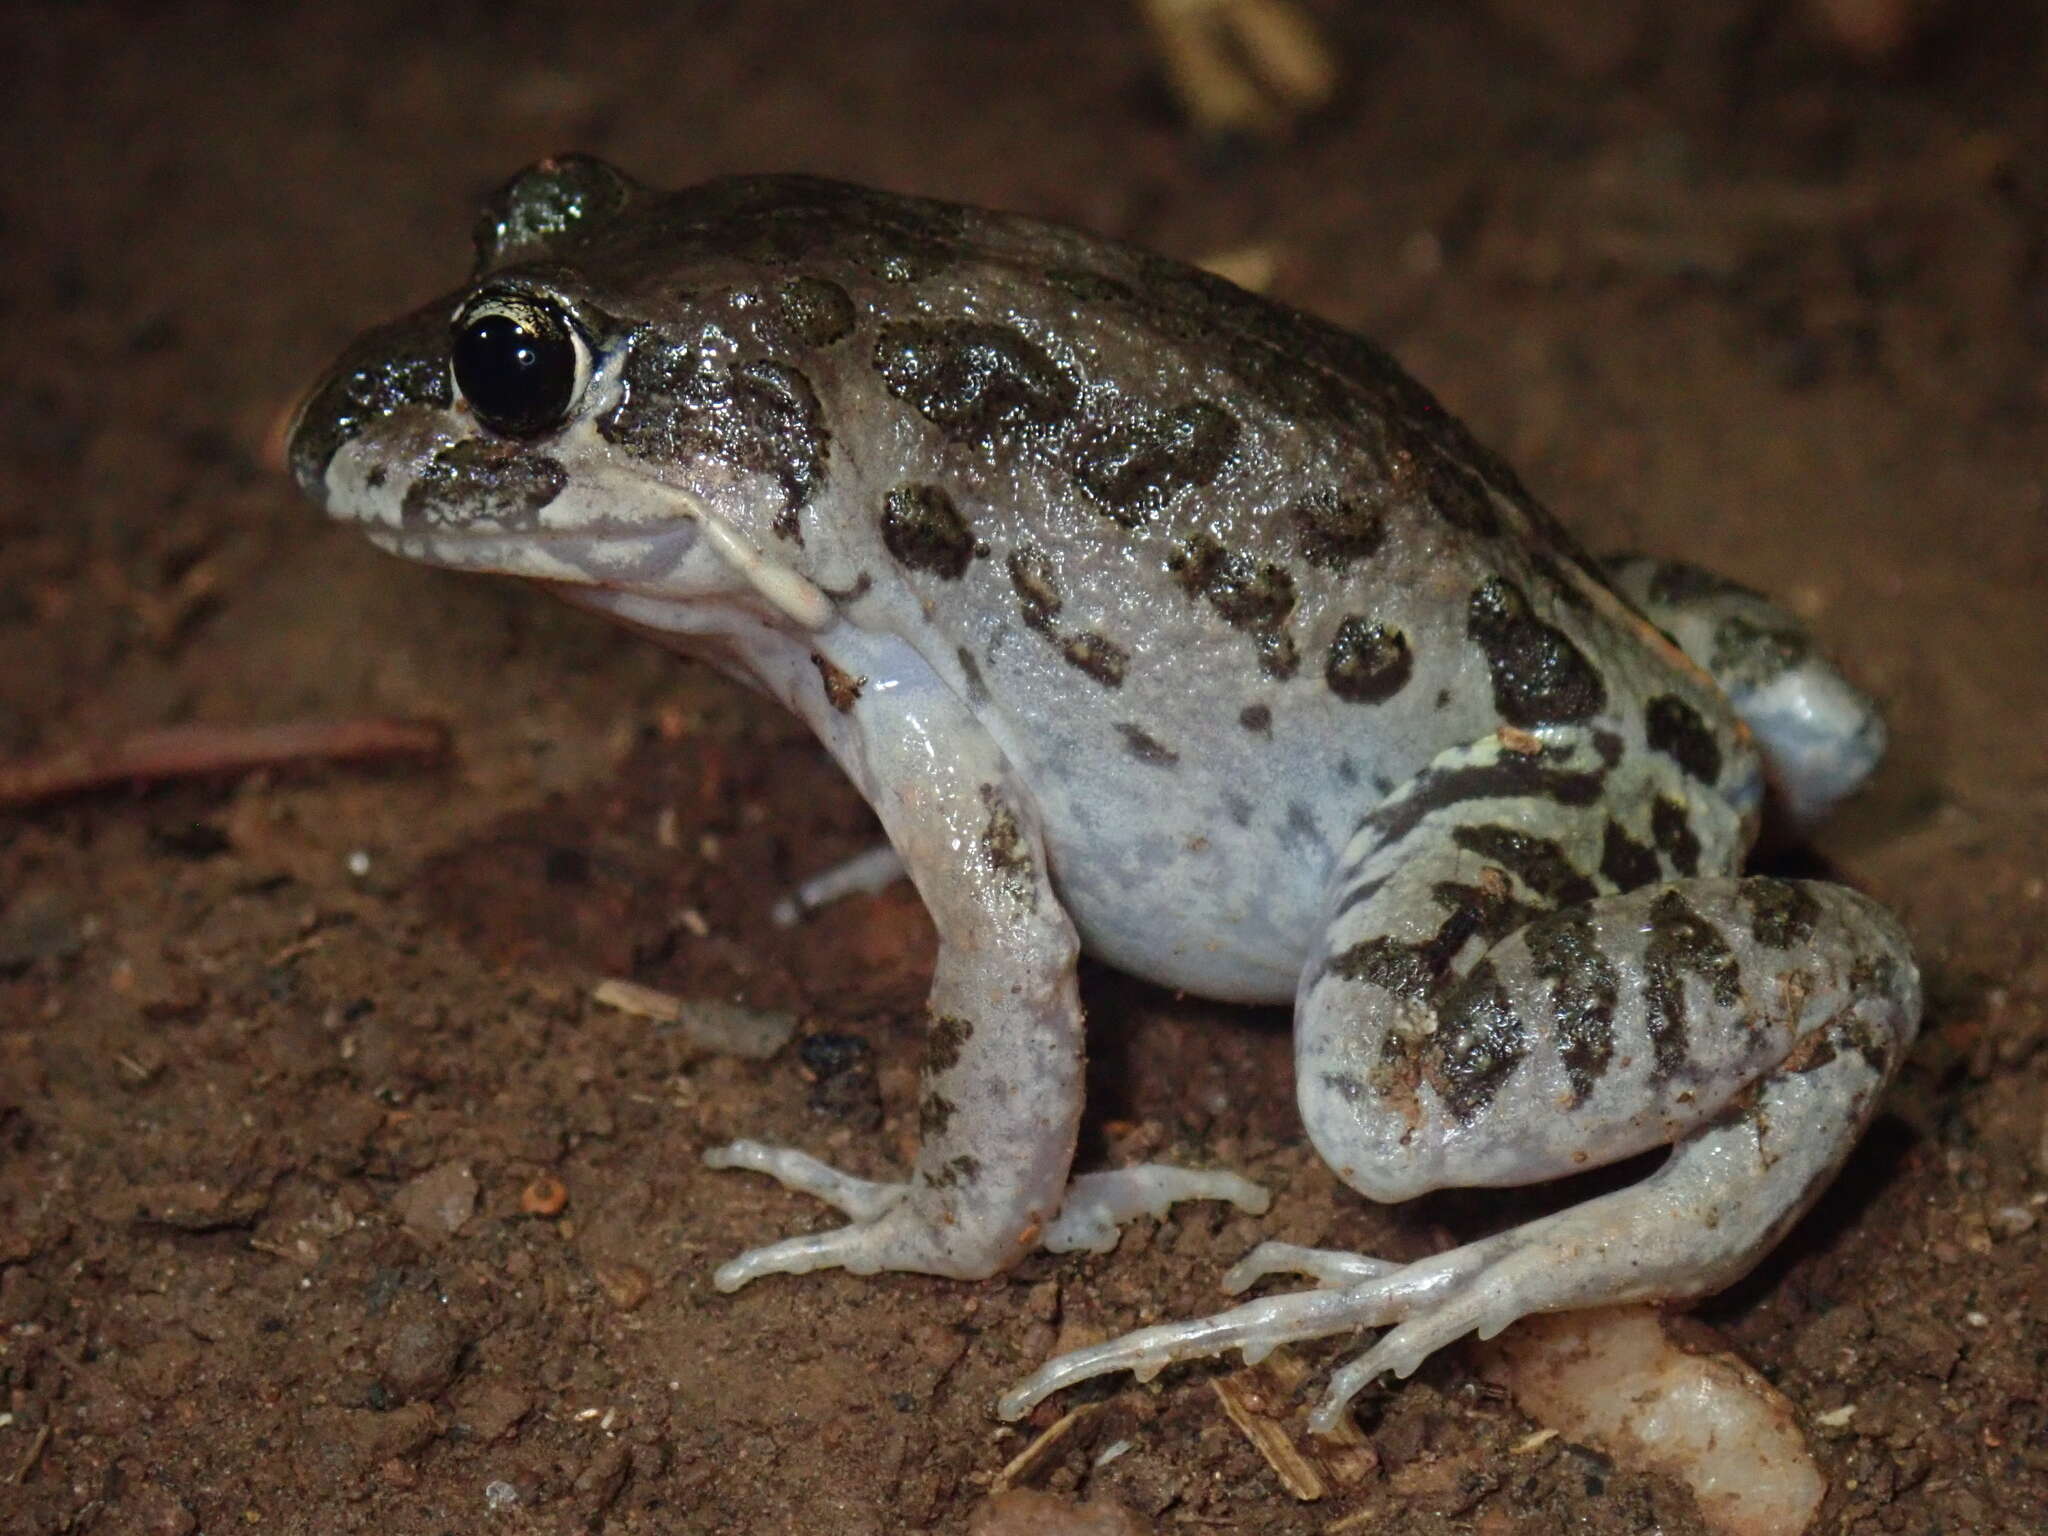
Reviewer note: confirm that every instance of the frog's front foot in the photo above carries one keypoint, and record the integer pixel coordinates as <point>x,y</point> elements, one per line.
<point>887,1232</point>
<point>858,1247</point>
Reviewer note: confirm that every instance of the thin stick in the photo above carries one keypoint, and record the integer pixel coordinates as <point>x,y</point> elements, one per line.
<point>35,1453</point>
<point>208,751</point>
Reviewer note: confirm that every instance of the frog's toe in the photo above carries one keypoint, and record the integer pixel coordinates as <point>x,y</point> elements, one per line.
<point>862,1199</point>
<point>1357,1292</point>
<point>1326,1266</point>
<point>1256,1328</point>
<point>1097,1205</point>
<point>863,1247</point>
<point>840,1248</point>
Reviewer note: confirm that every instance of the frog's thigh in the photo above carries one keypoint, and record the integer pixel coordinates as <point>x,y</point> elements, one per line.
<point>1001,1089</point>
<point>1487,1009</point>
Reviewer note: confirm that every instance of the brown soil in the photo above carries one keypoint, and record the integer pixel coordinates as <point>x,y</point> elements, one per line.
<point>1718,288</point>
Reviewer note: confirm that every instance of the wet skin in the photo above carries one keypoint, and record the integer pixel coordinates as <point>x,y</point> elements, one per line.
<point>1156,618</point>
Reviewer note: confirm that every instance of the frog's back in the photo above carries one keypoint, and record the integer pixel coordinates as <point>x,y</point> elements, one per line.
<point>1182,546</point>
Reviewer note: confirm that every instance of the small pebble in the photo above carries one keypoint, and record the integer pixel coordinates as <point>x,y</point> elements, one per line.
<point>626,1284</point>
<point>544,1196</point>
<point>420,1357</point>
<point>438,1202</point>
<point>2013,1220</point>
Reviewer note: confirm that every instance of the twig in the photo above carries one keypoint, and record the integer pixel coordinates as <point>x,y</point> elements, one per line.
<point>209,751</point>
<point>35,1452</point>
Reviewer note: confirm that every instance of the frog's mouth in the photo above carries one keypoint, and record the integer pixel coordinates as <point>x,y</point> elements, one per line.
<point>615,557</point>
<point>691,555</point>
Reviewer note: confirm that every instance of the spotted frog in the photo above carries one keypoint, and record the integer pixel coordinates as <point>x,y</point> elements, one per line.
<point>1160,619</point>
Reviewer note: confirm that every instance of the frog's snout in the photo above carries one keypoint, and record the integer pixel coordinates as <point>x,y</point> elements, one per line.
<point>397,366</point>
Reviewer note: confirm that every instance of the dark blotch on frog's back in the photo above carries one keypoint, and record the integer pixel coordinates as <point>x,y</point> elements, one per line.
<point>1132,464</point>
<point>483,480</point>
<point>395,366</point>
<point>814,311</point>
<point>1248,594</point>
<point>924,531</point>
<point>1334,530</point>
<point>1368,662</point>
<point>758,416</point>
<point>1099,657</point>
<point>1539,676</point>
<point>1038,597</point>
<point>1146,748</point>
<point>1672,832</point>
<point>973,380</point>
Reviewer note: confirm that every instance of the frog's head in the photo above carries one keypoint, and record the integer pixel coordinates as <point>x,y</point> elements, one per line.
<point>485,431</point>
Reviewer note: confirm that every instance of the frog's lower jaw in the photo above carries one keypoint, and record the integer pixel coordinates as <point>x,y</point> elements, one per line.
<point>574,559</point>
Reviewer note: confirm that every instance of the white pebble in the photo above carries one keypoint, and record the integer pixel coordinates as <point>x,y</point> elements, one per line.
<point>1614,1378</point>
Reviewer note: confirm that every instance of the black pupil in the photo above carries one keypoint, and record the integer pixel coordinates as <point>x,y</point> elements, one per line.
<point>516,371</point>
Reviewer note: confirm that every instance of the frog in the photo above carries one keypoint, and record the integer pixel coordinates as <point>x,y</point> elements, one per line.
<point>1163,621</point>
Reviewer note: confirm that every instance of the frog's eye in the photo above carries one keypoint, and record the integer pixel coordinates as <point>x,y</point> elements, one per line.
<point>520,362</point>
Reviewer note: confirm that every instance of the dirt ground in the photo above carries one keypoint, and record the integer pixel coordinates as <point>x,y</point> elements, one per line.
<point>289,1065</point>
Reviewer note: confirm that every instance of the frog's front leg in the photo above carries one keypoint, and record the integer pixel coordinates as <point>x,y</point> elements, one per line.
<point>1001,1091</point>
<point>1488,1008</point>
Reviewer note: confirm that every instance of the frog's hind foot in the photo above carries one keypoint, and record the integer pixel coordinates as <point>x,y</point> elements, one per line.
<point>1256,1329</point>
<point>1728,1191</point>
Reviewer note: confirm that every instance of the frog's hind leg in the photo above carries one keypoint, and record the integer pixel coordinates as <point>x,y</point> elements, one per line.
<point>1820,736</point>
<point>1489,1008</point>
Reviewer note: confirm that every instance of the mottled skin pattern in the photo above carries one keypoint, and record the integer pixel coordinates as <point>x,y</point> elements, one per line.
<point>1156,617</point>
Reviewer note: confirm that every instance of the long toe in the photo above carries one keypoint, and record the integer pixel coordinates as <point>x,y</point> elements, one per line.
<point>1256,1328</point>
<point>1326,1266</point>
